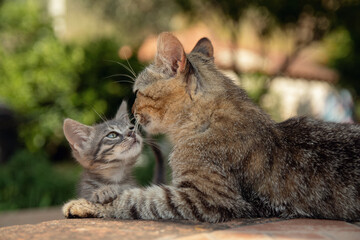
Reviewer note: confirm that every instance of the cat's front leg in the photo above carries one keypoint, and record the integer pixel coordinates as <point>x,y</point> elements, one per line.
<point>168,202</point>
<point>81,208</point>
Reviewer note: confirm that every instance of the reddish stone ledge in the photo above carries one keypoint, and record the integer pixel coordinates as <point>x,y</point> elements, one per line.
<point>107,229</point>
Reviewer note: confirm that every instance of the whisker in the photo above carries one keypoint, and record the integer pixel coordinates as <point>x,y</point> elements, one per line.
<point>120,74</point>
<point>124,81</point>
<point>131,67</point>
<point>124,66</point>
<point>102,118</point>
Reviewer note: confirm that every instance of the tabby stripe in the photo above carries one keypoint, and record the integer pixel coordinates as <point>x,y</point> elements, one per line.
<point>91,183</point>
<point>193,208</point>
<point>190,172</point>
<point>100,161</point>
<point>187,184</point>
<point>100,179</point>
<point>223,194</point>
<point>194,172</point>
<point>125,196</point>
<point>134,212</point>
<point>218,184</point>
<point>154,211</point>
<point>201,196</point>
<point>98,147</point>
<point>115,160</point>
<point>208,207</point>
<point>225,213</point>
<point>109,149</point>
<point>170,203</point>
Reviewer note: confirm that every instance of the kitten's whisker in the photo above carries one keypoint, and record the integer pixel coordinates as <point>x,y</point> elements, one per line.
<point>132,119</point>
<point>102,118</point>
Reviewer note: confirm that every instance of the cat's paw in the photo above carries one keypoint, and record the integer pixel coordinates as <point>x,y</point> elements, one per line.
<point>104,195</point>
<point>80,208</point>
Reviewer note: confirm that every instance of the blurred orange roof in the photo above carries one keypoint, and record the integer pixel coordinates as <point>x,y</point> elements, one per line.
<point>247,60</point>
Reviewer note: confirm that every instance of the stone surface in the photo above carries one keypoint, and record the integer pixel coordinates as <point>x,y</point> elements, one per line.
<point>109,229</point>
<point>295,229</point>
<point>30,216</point>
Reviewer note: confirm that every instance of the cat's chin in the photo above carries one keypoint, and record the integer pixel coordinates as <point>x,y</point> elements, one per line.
<point>152,128</point>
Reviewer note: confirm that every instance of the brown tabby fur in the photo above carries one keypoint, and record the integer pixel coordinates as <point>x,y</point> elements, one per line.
<point>230,160</point>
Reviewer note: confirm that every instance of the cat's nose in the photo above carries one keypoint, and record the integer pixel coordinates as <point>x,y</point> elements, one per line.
<point>133,108</point>
<point>131,134</point>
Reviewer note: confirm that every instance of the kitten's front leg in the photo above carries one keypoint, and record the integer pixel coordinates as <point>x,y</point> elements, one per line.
<point>108,193</point>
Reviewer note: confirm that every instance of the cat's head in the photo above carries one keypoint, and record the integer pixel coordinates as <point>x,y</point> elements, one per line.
<point>170,90</point>
<point>113,142</point>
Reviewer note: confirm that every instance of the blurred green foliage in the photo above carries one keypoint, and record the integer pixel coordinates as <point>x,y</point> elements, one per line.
<point>29,180</point>
<point>45,80</point>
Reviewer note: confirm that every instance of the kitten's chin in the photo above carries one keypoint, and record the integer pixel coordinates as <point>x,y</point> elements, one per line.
<point>133,151</point>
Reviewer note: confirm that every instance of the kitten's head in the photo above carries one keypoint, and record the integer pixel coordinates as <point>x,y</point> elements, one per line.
<point>169,90</point>
<point>113,142</point>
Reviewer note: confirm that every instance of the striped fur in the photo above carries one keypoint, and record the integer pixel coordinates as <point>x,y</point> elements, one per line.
<point>229,159</point>
<point>107,159</point>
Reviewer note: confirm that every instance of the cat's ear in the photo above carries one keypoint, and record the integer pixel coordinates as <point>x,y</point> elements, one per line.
<point>77,134</point>
<point>205,47</point>
<point>122,113</point>
<point>170,53</point>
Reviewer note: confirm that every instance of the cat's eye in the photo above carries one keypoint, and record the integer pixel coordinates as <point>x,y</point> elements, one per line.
<point>112,135</point>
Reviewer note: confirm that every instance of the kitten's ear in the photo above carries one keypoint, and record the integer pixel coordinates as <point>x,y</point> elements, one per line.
<point>170,53</point>
<point>122,113</point>
<point>205,47</point>
<point>77,134</point>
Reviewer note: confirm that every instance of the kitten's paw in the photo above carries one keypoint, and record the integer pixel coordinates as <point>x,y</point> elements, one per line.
<point>80,208</point>
<point>104,195</point>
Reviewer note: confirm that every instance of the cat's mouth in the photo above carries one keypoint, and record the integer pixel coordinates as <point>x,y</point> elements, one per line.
<point>143,119</point>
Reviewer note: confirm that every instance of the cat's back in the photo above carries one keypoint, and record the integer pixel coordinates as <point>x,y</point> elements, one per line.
<point>324,143</point>
<point>308,131</point>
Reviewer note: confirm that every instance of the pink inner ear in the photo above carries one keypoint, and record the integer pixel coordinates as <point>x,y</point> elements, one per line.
<point>170,52</point>
<point>75,132</point>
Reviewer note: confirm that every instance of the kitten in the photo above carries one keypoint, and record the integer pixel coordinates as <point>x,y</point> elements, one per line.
<point>229,159</point>
<point>107,152</point>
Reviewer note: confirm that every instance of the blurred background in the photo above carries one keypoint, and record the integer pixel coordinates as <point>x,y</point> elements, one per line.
<point>62,58</point>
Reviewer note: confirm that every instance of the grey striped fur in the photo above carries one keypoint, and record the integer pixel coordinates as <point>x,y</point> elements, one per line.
<point>107,162</point>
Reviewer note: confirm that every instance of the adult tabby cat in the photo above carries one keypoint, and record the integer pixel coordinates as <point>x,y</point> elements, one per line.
<point>229,159</point>
<point>107,152</point>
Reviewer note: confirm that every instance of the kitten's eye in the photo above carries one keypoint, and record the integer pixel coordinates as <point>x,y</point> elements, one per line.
<point>112,135</point>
